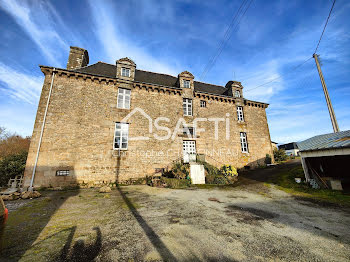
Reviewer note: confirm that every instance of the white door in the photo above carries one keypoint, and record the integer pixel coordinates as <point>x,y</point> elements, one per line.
<point>189,150</point>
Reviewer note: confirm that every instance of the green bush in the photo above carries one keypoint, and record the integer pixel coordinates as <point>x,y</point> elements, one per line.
<point>175,182</point>
<point>279,155</point>
<point>268,159</point>
<point>11,166</point>
<point>228,171</point>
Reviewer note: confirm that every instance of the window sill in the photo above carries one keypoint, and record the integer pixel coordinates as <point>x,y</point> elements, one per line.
<point>120,149</point>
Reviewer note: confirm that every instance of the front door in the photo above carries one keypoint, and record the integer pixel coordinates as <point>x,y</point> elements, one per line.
<point>189,150</point>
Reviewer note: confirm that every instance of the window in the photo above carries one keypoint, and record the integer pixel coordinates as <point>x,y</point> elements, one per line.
<point>237,93</point>
<point>240,116</point>
<point>189,131</point>
<point>189,147</point>
<point>187,84</point>
<point>244,142</point>
<point>121,135</point>
<point>187,106</point>
<point>125,72</point>
<point>123,98</point>
<point>203,103</point>
<point>62,172</point>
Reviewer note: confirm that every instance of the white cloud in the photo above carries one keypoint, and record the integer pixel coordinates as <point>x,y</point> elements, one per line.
<point>20,86</point>
<point>37,19</point>
<point>117,45</point>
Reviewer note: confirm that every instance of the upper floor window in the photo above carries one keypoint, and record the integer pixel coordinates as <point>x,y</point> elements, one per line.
<point>187,106</point>
<point>123,98</point>
<point>121,135</point>
<point>244,142</point>
<point>189,132</point>
<point>237,93</point>
<point>240,116</point>
<point>125,72</point>
<point>203,103</point>
<point>187,84</point>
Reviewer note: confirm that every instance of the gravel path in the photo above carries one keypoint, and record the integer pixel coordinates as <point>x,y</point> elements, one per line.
<point>249,222</point>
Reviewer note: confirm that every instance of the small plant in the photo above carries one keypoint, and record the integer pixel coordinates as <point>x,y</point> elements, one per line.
<point>268,159</point>
<point>228,171</point>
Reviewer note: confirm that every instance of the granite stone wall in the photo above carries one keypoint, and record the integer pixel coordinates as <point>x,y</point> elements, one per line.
<point>80,123</point>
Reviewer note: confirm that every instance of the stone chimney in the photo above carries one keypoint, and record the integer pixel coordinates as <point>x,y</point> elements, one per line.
<point>78,57</point>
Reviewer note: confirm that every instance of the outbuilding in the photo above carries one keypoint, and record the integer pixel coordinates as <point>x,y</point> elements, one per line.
<point>325,160</point>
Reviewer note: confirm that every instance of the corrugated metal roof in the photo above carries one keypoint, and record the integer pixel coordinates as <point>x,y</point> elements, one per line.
<point>327,141</point>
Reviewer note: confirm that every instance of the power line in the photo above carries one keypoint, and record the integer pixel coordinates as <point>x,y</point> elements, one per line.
<point>227,36</point>
<point>324,28</point>
<point>293,69</point>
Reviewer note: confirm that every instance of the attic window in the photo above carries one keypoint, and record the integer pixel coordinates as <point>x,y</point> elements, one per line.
<point>62,172</point>
<point>237,93</point>
<point>125,72</point>
<point>186,84</point>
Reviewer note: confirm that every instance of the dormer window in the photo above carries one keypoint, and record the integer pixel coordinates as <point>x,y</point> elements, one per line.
<point>125,72</point>
<point>237,93</point>
<point>187,84</point>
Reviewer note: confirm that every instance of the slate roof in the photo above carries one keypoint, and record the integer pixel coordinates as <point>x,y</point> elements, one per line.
<point>288,146</point>
<point>327,141</point>
<point>109,70</point>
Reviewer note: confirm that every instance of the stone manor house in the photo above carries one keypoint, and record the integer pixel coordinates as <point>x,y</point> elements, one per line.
<point>90,116</point>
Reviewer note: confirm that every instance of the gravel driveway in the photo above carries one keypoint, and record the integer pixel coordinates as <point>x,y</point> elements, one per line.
<point>250,222</point>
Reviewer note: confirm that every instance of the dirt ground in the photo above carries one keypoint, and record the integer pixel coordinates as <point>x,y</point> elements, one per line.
<point>252,221</point>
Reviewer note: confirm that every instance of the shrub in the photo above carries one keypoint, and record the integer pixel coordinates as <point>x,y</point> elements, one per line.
<point>268,159</point>
<point>176,183</point>
<point>228,171</point>
<point>279,155</point>
<point>11,166</point>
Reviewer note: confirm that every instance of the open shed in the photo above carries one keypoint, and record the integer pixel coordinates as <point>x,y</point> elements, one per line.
<point>326,160</point>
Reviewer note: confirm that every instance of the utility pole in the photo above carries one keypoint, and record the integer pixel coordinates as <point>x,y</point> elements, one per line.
<point>328,100</point>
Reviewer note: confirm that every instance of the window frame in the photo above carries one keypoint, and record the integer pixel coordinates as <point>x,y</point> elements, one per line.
<point>244,142</point>
<point>122,92</point>
<point>63,172</point>
<point>123,131</point>
<point>240,114</point>
<point>189,144</point>
<point>187,81</point>
<point>125,69</point>
<point>237,92</point>
<point>187,105</point>
<point>203,103</point>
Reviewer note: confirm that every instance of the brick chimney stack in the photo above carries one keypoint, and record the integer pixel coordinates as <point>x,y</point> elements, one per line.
<point>78,57</point>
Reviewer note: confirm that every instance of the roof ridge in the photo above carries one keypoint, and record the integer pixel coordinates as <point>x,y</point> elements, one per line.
<point>105,63</point>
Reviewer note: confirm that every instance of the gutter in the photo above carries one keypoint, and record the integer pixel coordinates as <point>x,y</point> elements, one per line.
<point>41,132</point>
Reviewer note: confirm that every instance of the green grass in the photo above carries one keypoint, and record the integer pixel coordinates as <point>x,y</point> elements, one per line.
<point>285,181</point>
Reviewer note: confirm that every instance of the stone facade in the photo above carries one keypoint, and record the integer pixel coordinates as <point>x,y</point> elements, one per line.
<point>80,123</point>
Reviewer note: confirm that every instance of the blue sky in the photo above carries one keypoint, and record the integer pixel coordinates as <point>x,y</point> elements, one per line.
<point>172,36</point>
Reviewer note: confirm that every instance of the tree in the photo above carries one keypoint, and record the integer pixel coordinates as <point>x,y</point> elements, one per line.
<point>11,166</point>
<point>279,155</point>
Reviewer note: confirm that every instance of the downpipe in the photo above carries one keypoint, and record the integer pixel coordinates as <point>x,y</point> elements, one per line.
<point>41,132</point>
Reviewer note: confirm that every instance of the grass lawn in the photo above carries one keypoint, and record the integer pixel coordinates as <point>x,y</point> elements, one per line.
<point>285,181</point>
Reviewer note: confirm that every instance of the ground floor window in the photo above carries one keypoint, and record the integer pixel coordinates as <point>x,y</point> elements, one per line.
<point>244,142</point>
<point>189,147</point>
<point>121,135</point>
